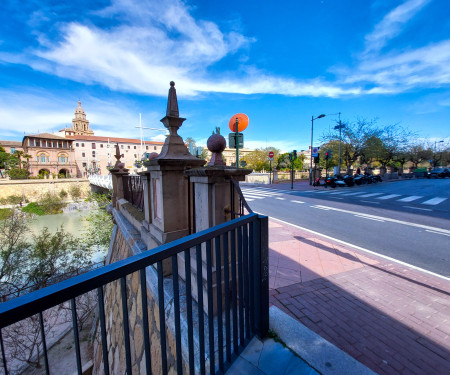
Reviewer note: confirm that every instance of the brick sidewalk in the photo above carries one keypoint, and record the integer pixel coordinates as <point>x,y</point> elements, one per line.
<point>390,317</point>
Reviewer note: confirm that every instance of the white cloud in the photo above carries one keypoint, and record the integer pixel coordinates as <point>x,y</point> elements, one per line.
<point>392,24</point>
<point>38,112</point>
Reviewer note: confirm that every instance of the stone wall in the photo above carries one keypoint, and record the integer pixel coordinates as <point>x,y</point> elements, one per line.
<point>126,242</point>
<point>32,190</point>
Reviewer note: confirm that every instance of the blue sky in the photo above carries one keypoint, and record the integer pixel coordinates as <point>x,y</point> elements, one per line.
<point>278,62</point>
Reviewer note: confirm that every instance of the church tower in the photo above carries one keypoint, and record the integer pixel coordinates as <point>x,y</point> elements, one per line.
<point>79,124</point>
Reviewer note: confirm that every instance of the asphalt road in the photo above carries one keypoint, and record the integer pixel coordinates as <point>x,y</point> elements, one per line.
<point>408,221</point>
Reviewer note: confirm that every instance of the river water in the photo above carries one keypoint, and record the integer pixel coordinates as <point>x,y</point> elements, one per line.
<point>72,223</point>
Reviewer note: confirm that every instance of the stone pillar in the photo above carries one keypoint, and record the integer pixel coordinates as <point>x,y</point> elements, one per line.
<point>145,176</point>
<point>168,212</point>
<point>213,205</point>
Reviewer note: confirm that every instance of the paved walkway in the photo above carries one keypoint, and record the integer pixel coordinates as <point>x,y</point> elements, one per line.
<point>391,318</point>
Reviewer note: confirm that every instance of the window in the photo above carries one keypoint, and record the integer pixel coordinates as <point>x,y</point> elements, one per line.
<point>135,156</point>
<point>38,143</point>
<point>146,147</point>
<point>93,154</point>
<point>82,145</point>
<point>84,165</point>
<point>42,158</point>
<point>93,146</point>
<point>121,146</point>
<point>154,147</point>
<point>60,144</point>
<point>83,154</point>
<point>128,147</point>
<point>13,150</point>
<point>77,144</point>
<point>101,145</point>
<point>135,147</point>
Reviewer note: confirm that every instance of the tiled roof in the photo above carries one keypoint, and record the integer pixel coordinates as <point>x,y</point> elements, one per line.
<point>94,138</point>
<point>45,135</point>
<point>11,143</point>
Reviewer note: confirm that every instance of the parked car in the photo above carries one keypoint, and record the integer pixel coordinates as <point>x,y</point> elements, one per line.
<point>439,172</point>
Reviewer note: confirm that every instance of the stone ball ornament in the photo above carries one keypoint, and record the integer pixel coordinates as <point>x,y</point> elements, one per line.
<point>153,155</point>
<point>216,144</point>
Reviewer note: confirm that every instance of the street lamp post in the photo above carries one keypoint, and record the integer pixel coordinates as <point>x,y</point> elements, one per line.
<point>340,126</point>
<point>311,157</point>
<point>435,149</point>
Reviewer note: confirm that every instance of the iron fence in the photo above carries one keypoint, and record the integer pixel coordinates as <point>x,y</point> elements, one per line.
<point>238,253</point>
<point>133,191</point>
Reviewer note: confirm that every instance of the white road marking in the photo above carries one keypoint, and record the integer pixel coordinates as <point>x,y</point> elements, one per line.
<point>321,208</point>
<point>281,199</point>
<point>253,196</point>
<point>369,218</point>
<point>363,249</point>
<point>385,219</point>
<point>410,198</point>
<point>249,199</point>
<point>419,208</point>
<point>432,231</point>
<point>371,202</point>
<point>434,201</point>
<point>369,195</point>
<point>389,196</point>
<point>338,192</point>
<point>297,202</point>
<point>359,192</point>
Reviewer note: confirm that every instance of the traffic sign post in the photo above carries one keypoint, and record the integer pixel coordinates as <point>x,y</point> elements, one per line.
<point>238,122</point>
<point>271,155</point>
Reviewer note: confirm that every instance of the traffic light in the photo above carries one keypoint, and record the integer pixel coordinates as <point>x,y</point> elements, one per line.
<point>328,154</point>
<point>290,156</point>
<point>295,154</point>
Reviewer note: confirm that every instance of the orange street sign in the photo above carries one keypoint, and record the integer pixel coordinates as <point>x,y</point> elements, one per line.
<point>242,122</point>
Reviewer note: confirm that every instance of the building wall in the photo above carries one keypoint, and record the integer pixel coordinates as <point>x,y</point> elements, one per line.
<point>49,153</point>
<point>92,152</point>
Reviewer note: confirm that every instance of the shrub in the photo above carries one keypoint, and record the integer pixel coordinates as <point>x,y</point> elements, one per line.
<point>75,192</point>
<point>12,199</point>
<point>5,213</point>
<point>51,203</point>
<point>18,174</point>
<point>33,208</point>
<point>63,194</point>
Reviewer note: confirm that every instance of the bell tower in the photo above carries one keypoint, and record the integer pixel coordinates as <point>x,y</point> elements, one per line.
<point>79,124</point>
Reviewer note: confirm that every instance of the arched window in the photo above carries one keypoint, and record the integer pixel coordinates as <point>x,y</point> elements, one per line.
<point>43,158</point>
<point>63,158</point>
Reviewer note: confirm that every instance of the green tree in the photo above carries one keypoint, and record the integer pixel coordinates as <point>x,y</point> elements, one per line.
<point>418,154</point>
<point>353,137</point>
<point>258,160</point>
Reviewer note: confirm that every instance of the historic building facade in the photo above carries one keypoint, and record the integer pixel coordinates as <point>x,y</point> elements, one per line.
<point>51,155</point>
<point>94,154</point>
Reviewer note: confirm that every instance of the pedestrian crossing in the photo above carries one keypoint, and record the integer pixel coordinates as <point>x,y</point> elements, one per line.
<point>257,193</point>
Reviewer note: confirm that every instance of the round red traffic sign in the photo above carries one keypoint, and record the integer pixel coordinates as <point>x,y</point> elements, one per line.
<point>271,154</point>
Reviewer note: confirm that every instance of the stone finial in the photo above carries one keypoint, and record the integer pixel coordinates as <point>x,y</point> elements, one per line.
<point>216,144</point>
<point>118,164</point>
<point>172,102</point>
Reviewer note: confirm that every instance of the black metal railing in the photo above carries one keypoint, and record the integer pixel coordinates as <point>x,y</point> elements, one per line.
<point>133,191</point>
<point>237,251</point>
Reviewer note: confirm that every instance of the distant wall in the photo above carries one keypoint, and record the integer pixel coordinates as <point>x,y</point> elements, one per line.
<point>33,189</point>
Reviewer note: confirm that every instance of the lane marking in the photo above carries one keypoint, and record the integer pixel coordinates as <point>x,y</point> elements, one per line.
<point>281,199</point>
<point>369,218</point>
<point>432,231</point>
<point>372,202</point>
<point>363,249</point>
<point>389,196</point>
<point>359,192</point>
<point>369,195</point>
<point>321,208</point>
<point>253,196</point>
<point>249,199</point>
<point>410,198</point>
<point>434,201</point>
<point>297,202</point>
<point>419,208</point>
<point>338,192</point>
<point>385,219</point>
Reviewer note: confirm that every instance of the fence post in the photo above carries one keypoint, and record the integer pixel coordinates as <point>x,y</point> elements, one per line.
<point>261,275</point>
<point>117,173</point>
